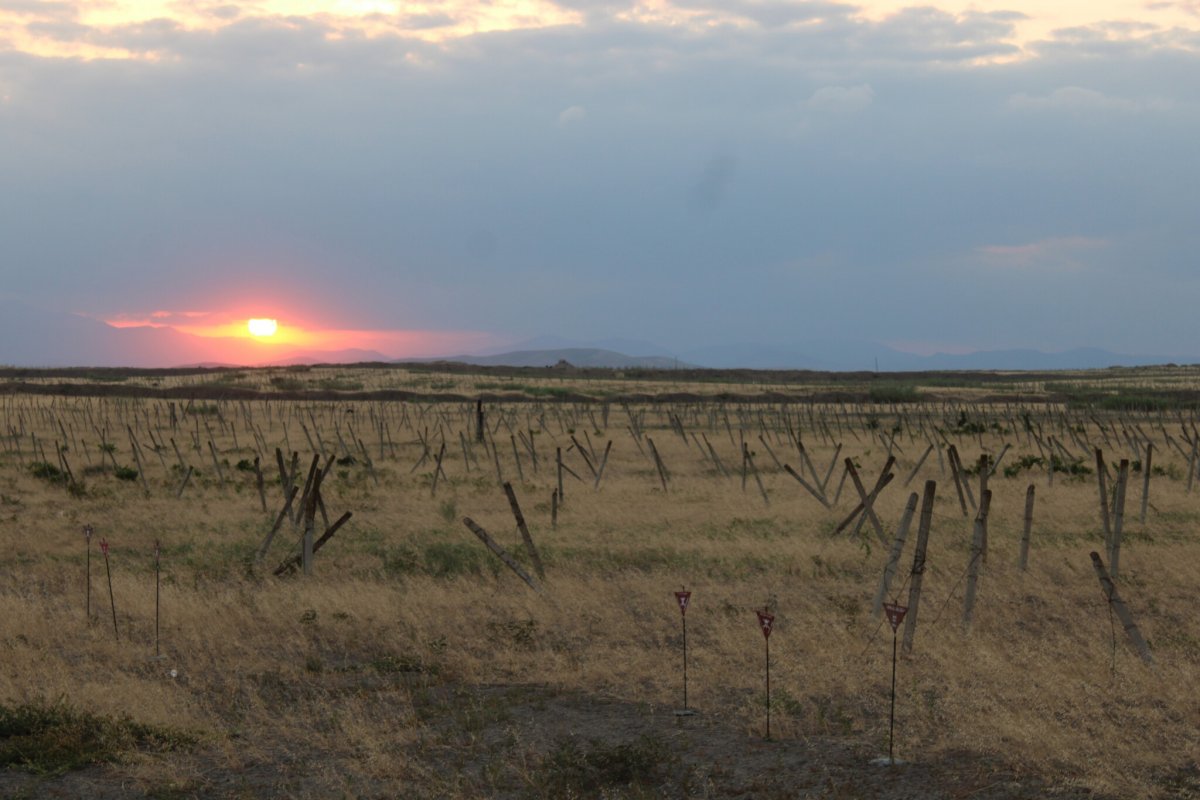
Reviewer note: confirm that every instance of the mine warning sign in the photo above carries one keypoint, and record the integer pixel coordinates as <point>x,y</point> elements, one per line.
<point>104,547</point>
<point>895,614</point>
<point>684,598</point>
<point>765,621</point>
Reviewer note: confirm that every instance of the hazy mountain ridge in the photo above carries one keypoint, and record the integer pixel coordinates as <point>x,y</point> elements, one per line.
<point>31,337</point>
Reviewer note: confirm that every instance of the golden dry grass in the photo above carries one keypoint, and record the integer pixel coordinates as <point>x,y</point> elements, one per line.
<point>356,663</point>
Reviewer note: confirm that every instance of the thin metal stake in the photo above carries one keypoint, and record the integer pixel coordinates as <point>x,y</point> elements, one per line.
<point>892,714</point>
<point>156,598</point>
<point>87,535</point>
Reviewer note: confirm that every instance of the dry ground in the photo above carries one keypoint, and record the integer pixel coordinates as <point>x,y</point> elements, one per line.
<point>413,663</point>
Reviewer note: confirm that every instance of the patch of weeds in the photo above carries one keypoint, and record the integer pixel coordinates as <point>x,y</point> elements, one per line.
<point>1023,463</point>
<point>284,384</point>
<point>52,738</point>
<point>47,472</point>
<point>892,392</point>
<point>245,465</point>
<point>309,616</point>
<point>125,473</point>
<point>1074,467</point>
<point>595,768</point>
<point>449,510</point>
<point>340,385</point>
<point>347,461</point>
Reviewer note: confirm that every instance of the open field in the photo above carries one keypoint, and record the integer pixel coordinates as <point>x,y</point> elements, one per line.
<point>412,662</point>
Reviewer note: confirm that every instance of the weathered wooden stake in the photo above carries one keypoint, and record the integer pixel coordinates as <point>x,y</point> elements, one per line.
<point>1023,559</point>
<point>889,571</point>
<point>918,568</point>
<point>1121,610</point>
<point>524,529</point>
<point>1146,472</point>
<point>1114,547</point>
<point>978,543</point>
<point>502,554</point>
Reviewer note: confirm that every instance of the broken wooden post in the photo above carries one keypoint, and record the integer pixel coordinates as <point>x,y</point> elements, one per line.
<point>1121,610</point>
<point>918,568</point>
<point>524,529</point>
<point>500,552</point>
<point>283,512</point>
<point>292,563</point>
<point>1023,559</point>
<point>811,490</point>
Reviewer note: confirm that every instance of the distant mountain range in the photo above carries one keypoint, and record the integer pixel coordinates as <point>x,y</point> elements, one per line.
<point>36,338</point>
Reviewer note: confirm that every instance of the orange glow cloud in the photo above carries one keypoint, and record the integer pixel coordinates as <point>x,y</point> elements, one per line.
<point>229,338</point>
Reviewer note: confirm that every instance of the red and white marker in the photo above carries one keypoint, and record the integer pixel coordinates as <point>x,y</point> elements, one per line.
<point>765,621</point>
<point>683,598</point>
<point>104,547</point>
<point>895,614</point>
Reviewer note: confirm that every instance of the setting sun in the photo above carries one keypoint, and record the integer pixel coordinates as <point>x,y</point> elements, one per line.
<point>262,327</point>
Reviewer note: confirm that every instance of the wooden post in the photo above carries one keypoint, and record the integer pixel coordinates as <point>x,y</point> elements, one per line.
<point>554,510</point>
<point>913,474</point>
<point>600,469</point>
<point>501,553</point>
<point>524,529</point>
<point>1146,472</point>
<point>183,484</point>
<point>1102,484</point>
<point>1023,559</point>
<point>978,545</point>
<point>258,481</point>
<point>662,469</point>
<point>1121,610</point>
<point>889,571</point>
<point>559,464</point>
<point>1114,547</point>
<point>918,568</point>
<point>962,500</point>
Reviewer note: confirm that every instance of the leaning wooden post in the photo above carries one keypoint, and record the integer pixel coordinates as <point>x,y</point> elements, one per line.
<point>500,552</point>
<point>1121,610</point>
<point>662,469</point>
<point>1114,547</point>
<point>918,567</point>
<point>962,500</point>
<point>559,465</point>
<point>1146,471</point>
<point>889,571</point>
<point>521,526</point>
<point>1023,560</point>
<point>978,542</point>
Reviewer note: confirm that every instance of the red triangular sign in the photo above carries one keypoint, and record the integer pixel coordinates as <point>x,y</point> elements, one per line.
<point>895,614</point>
<point>683,598</point>
<point>765,621</point>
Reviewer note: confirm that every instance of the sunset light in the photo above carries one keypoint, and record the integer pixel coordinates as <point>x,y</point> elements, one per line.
<point>262,327</point>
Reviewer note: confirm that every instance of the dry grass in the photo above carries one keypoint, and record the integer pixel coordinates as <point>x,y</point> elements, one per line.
<point>358,680</point>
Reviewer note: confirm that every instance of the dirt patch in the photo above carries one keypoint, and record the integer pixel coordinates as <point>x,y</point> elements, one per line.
<point>518,742</point>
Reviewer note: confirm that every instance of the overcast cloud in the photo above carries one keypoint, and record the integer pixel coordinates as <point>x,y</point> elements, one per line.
<point>769,172</point>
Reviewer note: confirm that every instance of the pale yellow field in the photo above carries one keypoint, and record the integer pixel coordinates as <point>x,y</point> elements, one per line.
<point>405,603</point>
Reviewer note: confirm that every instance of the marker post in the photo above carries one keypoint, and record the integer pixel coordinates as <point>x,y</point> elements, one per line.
<point>895,615</point>
<point>683,597</point>
<point>765,621</point>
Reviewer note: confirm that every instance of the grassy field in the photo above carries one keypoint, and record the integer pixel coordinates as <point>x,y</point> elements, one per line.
<point>414,663</point>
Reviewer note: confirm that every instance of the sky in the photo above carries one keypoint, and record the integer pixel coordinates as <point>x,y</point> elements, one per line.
<point>432,178</point>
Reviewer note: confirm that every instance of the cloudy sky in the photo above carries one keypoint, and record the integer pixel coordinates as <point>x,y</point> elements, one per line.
<point>423,178</point>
